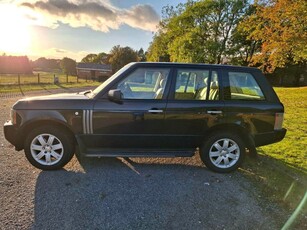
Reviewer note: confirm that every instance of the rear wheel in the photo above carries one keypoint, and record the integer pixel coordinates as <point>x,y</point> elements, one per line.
<point>49,148</point>
<point>223,152</point>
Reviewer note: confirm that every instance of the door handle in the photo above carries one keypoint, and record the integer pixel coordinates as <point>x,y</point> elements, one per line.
<point>155,111</point>
<point>214,112</point>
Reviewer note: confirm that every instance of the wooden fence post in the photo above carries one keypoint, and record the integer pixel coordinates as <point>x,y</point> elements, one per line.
<point>18,79</point>
<point>66,78</point>
<point>77,79</point>
<point>38,79</point>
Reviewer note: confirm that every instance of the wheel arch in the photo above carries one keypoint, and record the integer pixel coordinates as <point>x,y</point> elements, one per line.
<point>47,122</point>
<point>235,129</point>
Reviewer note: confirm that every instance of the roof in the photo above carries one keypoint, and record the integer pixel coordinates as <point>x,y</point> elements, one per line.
<point>193,65</point>
<point>94,66</point>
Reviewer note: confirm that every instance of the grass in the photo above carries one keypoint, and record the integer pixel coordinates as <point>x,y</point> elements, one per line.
<point>41,81</point>
<point>36,77</point>
<point>279,172</point>
<point>36,87</point>
<point>293,149</point>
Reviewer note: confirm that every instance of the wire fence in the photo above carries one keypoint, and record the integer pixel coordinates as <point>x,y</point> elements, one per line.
<point>40,78</point>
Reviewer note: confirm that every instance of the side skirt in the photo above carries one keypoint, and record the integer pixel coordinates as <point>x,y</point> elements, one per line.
<point>113,152</point>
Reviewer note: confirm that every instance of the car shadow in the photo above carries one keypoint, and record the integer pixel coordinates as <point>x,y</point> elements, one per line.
<point>143,193</point>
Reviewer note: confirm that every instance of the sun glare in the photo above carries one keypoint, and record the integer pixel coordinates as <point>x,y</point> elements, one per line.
<point>14,36</point>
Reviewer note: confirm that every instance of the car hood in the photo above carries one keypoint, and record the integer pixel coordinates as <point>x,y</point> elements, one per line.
<point>61,96</point>
<point>62,101</point>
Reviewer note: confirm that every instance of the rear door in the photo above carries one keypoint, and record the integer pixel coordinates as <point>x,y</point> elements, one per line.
<point>194,105</point>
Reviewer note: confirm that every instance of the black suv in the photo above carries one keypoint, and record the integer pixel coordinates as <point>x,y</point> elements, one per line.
<point>153,110</point>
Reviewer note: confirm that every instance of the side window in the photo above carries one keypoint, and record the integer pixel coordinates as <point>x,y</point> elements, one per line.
<point>243,86</point>
<point>144,83</point>
<point>191,84</point>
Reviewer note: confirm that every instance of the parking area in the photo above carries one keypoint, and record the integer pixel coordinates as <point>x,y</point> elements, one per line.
<point>126,193</point>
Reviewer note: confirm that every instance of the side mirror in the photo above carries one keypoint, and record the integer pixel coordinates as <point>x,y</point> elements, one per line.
<point>115,95</point>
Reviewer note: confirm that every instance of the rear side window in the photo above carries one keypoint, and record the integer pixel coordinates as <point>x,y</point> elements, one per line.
<point>193,84</point>
<point>243,86</point>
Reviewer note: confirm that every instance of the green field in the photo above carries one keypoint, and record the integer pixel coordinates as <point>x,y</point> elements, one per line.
<point>41,81</point>
<point>293,149</point>
<point>280,170</point>
<point>37,77</point>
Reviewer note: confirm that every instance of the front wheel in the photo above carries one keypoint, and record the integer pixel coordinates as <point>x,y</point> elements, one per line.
<point>223,152</point>
<point>49,148</point>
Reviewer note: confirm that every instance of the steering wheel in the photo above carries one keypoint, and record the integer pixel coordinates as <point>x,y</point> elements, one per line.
<point>126,90</point>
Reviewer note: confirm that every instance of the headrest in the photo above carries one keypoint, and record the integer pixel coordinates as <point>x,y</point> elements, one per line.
<point>214,85</point>
<point>162,83</point>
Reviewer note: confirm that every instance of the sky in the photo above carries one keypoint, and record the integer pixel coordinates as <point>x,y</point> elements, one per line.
<point>75,28</point>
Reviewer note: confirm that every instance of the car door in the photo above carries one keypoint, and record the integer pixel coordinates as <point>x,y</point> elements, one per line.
<point>137,121</point>
<point>193,107</point>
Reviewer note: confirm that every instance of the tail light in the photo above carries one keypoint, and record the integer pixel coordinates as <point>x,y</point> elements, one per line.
<point>15,118</point>
<point>279,118</point>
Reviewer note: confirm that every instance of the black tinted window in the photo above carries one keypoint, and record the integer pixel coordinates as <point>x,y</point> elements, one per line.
<point>243,86</point>
<point>192,84</point>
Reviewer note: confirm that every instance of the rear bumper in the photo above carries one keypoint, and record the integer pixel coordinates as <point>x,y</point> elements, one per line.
<point>11,134</point>
<point>269,138</point>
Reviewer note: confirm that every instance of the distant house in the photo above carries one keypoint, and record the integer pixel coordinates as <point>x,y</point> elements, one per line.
<point>15,65</point>
<point>94,71</point>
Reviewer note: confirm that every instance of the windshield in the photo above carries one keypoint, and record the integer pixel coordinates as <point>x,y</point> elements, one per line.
<point>104,84</point>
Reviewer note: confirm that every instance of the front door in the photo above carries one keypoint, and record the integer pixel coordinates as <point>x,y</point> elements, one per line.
<point>137,122</point>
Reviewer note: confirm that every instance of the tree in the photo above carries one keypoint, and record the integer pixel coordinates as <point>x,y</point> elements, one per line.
<point>241,48</point>
<point>158,49</point>
<point>101,58</point>
<point>198,31</point>
<point>280,27</point>
<point>68,66</point>
<point>120,56</point>
<point>46,64</point>
<point>15,64</point>
<point>141,55</point>
<point>90,58</point>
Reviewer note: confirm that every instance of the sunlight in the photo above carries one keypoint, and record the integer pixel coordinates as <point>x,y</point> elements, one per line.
<point>15,36</point>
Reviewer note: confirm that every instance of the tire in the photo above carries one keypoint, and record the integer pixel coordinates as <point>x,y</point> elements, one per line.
<point>223,152</point>
<point>49,148</point>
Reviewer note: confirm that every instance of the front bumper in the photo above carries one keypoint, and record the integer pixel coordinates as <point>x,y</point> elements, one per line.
<point>11,134</point>
<point>270,138</point>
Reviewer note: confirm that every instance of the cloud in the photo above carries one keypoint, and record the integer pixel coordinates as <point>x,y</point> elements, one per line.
<point>94,14</point>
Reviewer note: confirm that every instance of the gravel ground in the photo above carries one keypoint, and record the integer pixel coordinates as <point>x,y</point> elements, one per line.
<point>118,193</point>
